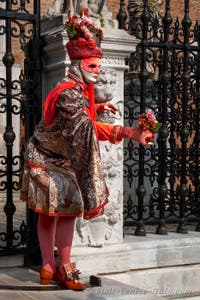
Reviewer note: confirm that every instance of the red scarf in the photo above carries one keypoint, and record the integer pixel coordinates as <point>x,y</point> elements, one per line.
<point>49,105</point>
<point>89,94</point>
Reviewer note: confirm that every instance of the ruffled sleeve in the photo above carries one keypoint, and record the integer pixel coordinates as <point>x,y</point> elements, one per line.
<point>108,132</point>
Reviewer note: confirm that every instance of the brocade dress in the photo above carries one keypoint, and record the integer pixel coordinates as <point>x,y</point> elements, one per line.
<point>66,156</point>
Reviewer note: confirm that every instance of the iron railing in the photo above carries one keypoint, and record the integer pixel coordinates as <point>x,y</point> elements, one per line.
<point>162,183</point>
<point>20,100</point>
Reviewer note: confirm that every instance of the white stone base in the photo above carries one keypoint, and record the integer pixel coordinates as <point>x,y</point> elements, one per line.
<point>151,251</point>
<point>173,281</point>
<point>11,261</point>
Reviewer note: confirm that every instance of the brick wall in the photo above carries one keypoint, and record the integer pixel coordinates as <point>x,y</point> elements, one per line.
<point>45,4</point>
<point>177,9</point>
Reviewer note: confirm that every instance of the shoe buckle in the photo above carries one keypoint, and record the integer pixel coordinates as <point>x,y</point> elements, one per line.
<point>71,272</point>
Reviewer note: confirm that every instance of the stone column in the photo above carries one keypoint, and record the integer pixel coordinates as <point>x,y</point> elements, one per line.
<point>117,46</point>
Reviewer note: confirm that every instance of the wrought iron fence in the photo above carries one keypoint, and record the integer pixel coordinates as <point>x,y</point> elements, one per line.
<point>162,182</point>
<point>20,109</point>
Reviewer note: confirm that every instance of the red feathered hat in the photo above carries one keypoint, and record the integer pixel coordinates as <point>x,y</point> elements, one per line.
<point>84,37</point>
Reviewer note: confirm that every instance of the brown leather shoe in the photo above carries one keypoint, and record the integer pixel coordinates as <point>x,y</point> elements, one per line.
<point>46,276</point>
<point>70,278</point>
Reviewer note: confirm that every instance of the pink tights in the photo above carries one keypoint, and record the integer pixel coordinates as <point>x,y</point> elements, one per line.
<point>50,231</point>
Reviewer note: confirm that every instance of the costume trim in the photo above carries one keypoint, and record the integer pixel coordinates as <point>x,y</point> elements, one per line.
<point>89,215</point>
<point>91,212</point>
<point>50,214</point>
<point>32,164</point>
<point>116,134</point>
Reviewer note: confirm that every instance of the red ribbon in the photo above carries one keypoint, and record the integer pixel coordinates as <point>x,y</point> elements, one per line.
<point>89,94</point>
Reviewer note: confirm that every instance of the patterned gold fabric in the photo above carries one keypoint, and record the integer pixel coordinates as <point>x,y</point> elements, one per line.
<point>63,174</point>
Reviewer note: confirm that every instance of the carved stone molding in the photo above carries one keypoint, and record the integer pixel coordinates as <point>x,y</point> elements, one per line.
<point>113,61</point>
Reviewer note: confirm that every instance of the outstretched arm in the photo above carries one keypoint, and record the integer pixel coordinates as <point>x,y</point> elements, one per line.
<point>115,133</point>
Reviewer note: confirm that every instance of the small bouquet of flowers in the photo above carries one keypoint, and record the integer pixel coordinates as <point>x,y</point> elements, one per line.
<point>82,27</point>
<point>147,121</point>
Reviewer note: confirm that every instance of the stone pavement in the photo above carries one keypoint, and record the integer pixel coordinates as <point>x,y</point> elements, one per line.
<point>18,283</point>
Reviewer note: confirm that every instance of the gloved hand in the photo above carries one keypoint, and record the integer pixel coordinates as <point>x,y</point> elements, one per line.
<point>106,106</point>
<point>138,135</point>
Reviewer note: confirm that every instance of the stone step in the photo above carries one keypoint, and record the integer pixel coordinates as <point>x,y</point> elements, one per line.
<point>180,282</point>
<point>157,264</point>
<point>135,253</point>
<point>165,266</point>
<point>191,296</point>
<point>22,283</point>
<point>11,261</point>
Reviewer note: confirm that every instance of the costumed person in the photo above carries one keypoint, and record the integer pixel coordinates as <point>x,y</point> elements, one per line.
<point>63,176</point>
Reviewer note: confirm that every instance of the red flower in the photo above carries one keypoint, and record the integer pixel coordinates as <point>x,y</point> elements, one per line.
<point>81,42</point>
<point>150,115</point>
<point>73,19</point>
<point>92,44</point>
<point>85,12</point>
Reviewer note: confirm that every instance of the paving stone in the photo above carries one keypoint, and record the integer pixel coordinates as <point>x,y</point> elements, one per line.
<point>23,283</point>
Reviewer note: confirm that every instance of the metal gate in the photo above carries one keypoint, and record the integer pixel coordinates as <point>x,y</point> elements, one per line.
<point>20,110</point>
<point>163,181</point>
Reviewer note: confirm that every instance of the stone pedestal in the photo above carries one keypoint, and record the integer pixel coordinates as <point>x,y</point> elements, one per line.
<point>117,46</point>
